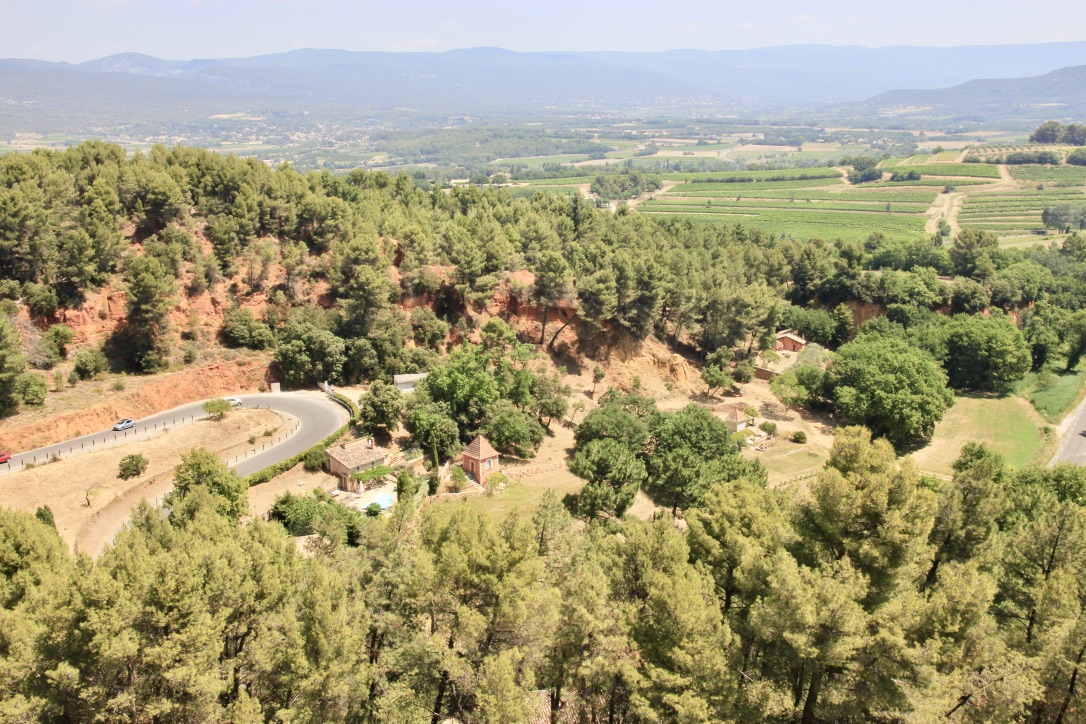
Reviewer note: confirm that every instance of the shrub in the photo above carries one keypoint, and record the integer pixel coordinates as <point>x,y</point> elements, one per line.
<point>744,371</point>
<point>373,510</point>
<point>242,329</point>
<point>799,436</point>
<point>367,475</point>
<point>769,428</point>
<point>41,299</point>
<point>45,515</point>
<point>56,339</point>
<point>494,481</point>
<point>429,330</point>
<point>313,459</point>
<point>217,408</point>
<point>1046,380</point>
<point>89,363</point>
<point>31,389</point>
<point>296,512</point>
<point>117,386</point>
<point>132,466</point>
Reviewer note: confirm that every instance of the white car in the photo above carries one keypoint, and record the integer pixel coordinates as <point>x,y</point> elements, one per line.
<point>125,424</point>
<point>234,401</point>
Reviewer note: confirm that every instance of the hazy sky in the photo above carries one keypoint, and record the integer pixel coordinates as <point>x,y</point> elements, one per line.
<point>77,30</point>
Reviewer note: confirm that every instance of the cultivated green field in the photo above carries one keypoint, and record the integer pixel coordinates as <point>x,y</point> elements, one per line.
<point>1059,174</point>
<point>1015,214</point>
<point>796,174</point>
<point>974,170</point>
<point>819,202</point>
<point>825,206</point>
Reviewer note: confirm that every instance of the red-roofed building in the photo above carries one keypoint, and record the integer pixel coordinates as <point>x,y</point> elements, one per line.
<point>480,460</point>
<point>789,340</point>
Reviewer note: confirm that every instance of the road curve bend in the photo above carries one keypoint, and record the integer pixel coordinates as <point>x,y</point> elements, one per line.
<point>318,416</point>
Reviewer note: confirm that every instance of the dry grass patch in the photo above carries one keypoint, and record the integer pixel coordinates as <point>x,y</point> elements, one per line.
<point>1009,425</point>
<point>66,486</point>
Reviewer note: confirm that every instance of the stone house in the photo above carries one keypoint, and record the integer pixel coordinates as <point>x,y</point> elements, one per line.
<point>355,457</point>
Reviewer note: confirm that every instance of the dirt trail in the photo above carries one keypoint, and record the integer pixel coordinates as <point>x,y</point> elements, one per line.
<point>664,188</point>
<point>948,206</point>
<point>945,206</point>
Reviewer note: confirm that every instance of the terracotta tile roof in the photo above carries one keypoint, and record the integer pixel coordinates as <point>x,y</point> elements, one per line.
<point>355,454</point>
<point>481,449</point>
<point>733,411</point>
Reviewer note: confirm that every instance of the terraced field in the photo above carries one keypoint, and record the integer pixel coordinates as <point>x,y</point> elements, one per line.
<point>824,207</point>
<point>923,159</point>
<point>819,202</point>
<point>1058,174</point>
<point>1015,214</point>
<point>972,170</point>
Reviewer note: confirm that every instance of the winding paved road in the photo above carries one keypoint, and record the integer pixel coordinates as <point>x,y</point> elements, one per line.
<point>1073,439</point>
<point>318,415</point>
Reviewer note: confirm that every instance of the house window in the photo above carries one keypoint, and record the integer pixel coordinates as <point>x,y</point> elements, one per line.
<point>489,464</point>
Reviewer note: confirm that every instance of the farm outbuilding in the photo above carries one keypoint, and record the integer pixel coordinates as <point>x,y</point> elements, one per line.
<point>480,460</point>
<point>789,340</point>
<point>735,414</point>
<point>408,383</point>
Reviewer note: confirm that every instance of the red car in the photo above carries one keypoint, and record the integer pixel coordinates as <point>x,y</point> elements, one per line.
<point>4,457</point>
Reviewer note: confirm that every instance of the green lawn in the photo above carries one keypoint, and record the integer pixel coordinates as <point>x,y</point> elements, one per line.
<point>1054,401</point>
<point>1009,425</point>
<point>786,460</point>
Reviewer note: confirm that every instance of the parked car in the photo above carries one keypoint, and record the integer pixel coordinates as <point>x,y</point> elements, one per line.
<point>125,424</point>
<point>234,401</point>
<point>4,457</point>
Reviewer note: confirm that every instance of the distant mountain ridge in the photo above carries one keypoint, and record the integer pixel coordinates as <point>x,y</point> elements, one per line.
<point>338,86</point>
<point>1060,94</point>
<point>781,74</point>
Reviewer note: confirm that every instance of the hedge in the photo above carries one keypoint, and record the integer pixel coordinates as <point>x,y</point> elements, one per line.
<point>349,404</point>
<point>263,476</point>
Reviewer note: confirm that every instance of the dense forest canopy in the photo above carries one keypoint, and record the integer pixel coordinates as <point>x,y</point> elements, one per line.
<point>181,221</point>
<point>882,595</point>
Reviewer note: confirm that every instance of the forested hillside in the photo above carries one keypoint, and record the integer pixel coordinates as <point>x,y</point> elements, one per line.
<point>880,596</point>
<point>333,259</point>
<point>870,592</point>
